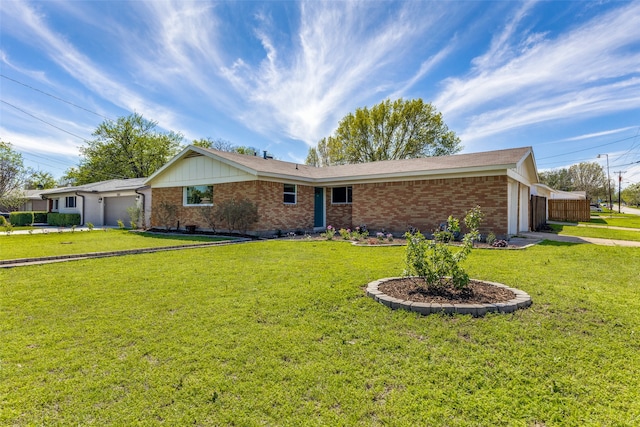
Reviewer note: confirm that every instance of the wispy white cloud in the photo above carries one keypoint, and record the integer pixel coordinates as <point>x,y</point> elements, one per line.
<point>337,63</point>
<point>35,30</point>
<point>584,72</point>
<point>599,134</point>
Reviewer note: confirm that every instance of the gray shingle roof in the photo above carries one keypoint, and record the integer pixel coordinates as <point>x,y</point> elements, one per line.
<point>102,186</point>
<point>500,159</point>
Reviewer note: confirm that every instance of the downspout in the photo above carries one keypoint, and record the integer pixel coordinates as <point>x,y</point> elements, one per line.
<point>144,213</point>
<point>82,217</point>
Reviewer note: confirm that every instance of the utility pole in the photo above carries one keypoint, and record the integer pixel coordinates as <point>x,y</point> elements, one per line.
<point>619,184</point>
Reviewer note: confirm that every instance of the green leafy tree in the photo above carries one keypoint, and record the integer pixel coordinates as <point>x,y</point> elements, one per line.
<point>387,131</point>
<point>130,147</point>
<point>216,144</point>
<point>589,177</point>
<point>12,176</point>
<point>631,194</point>
<point>224,145</point>
<point>558,179</point>
<point>434,261</point>
<point>41,180</point>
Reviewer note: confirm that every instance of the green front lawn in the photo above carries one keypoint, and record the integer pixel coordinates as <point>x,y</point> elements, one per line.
<point>602,233</point>
<point>16,246</point>
<point>614,219</point>
<point>281,333</point>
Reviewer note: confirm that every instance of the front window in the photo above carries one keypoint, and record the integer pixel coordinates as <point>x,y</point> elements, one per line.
<point>290,194</point>
<point>70,202</point>
<point>56,204</point>
<point>341,195</point>
<point>198,195</point>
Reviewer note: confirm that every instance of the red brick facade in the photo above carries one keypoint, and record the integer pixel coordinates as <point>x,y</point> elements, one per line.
<point>274,213</point>
<point>390,206</point>
<point>425,204</point>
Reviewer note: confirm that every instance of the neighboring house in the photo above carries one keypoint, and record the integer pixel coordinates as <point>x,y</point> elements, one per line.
<point>33,201</point>
<point>543,190</point>
<point>387,195</point>
<point>101,203</point>
<point>562,205</point>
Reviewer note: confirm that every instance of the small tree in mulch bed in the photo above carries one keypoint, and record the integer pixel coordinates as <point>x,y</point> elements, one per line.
<point>434,261</point>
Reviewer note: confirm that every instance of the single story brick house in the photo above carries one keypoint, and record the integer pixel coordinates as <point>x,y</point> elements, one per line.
<point>385,196</point>
<point>101,203</point>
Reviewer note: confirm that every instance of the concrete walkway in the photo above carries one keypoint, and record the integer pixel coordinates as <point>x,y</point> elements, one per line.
<point>575,239</point>
<point>46,229</point>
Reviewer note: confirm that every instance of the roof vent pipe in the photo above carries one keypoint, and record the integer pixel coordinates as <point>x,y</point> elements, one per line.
<point>264,154</point>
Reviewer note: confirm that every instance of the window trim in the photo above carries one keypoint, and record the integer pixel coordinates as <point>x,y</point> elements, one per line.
<point>185,192</point>
<point>348,195</point>
<point>293,193</point>
<point>68,199</point>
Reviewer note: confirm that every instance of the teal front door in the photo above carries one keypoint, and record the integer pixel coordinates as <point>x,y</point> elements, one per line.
<point>318,207</point>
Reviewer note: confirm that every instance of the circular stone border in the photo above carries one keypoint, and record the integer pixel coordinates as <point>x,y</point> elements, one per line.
<point>521,300</point>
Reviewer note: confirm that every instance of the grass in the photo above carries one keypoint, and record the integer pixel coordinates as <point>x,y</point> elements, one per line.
<point>598,227</point>
<point>281,333</point>
<point>38,245</point>
<point>614,220</point>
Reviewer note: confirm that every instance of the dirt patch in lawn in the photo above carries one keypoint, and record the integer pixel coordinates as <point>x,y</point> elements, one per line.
<point>417,290</point>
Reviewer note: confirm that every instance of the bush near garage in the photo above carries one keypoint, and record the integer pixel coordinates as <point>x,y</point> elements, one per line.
<point>21,218</point>
<point>62,219</point>
<point>40,217</point>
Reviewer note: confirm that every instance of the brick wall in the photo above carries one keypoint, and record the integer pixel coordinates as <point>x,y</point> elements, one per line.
<point>425,204</point>
<point>338,215</point>
<point>274,213</point>
<point>390,206</point>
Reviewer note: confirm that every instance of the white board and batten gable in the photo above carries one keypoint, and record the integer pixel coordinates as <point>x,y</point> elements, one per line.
<point>525,170</point>
<point>198,167</point>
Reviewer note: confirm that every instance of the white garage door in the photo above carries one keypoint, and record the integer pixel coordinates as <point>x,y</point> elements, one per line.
<point>115,208</point>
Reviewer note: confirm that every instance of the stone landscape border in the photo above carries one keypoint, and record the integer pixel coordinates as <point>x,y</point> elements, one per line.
<point>521,300</point>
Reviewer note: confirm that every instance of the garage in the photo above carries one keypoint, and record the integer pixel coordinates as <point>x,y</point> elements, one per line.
<point>115,208</point>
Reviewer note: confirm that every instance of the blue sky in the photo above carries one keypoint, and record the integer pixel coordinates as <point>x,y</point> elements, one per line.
<point>562,77</point>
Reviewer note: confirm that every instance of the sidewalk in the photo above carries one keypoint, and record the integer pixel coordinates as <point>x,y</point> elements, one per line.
<point>46,229</point>
<point>574,239</point>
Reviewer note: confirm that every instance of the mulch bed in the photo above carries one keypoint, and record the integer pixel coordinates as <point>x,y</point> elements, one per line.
<point>416,289</point>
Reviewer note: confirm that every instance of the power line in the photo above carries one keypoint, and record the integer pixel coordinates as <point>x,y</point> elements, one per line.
<point>43,121</point>
<point>54,97</point>
<point>587,149</point>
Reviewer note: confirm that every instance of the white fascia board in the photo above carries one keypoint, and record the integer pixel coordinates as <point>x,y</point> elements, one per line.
<point>533,160</point>
<point>513,174</point>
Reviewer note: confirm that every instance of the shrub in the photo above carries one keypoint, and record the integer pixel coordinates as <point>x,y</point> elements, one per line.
<point>345,234</point>
<point>90,226</point>
<point>21,218</point>
<point>40,216</point>
<point>120,224</point>
<point>63,219</point>
<point>3,221</point>
<point>329,233</point>
<point>434,260</point>
<point>238,214</point>
<point>491,238</point>
<point>500,244</point>
<point>166,214</point>
<point>208,214</point>
<point>136,219</point>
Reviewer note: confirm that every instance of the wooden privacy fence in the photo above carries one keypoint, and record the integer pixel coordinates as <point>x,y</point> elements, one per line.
<point>569,210</point>
<point>538,212</point>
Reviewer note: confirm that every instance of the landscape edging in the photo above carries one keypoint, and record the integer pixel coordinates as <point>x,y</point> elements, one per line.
<point>520,301</point>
